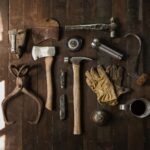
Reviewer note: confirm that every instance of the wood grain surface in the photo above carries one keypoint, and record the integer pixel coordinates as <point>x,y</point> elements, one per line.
<point>123,132</point>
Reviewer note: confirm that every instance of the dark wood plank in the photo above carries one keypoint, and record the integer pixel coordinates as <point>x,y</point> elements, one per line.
<point>16,14</point>
<point>12,133</point>
<point>119,126</point>
<point>64,130</point>
<point>4,23</point>
<point>41,135</point>
<point>135,127</point>
<point>74,11</point>
<point>146,56</point>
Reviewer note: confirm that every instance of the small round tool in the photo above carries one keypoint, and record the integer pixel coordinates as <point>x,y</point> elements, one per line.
<point>74,43</point>
<point>100,117</point>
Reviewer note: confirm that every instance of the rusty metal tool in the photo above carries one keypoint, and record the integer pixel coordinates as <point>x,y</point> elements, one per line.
<point>47,53</point>
<point>140,78</point>
<point>62,105</point>
<point>62,79</point>
<point>21,81</point>
<point>76,90</point>
<point>96,44</point>
<point>17,39</point>
<point>112,27</point>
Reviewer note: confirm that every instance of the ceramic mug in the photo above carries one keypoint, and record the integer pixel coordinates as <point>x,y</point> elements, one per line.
<point>138,107</point>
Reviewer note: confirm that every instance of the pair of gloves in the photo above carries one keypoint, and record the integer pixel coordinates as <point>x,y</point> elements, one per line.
<point>106,84</point>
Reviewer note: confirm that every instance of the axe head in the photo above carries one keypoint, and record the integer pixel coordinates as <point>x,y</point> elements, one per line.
<point>49,31</point>
<point>40,52</point>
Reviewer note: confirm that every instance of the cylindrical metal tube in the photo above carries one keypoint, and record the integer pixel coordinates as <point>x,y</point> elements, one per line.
<point>110,51</point>
<point>96,44</point>
<point>123,107</point>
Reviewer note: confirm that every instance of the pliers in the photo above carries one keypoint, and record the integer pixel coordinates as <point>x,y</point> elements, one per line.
<point>21,80</point>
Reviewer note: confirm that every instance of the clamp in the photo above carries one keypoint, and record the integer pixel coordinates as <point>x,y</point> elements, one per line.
<point>21,80</point>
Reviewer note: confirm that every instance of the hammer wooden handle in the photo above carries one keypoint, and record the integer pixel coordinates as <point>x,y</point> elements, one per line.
<point>48,66</point>
<point>76,99</point>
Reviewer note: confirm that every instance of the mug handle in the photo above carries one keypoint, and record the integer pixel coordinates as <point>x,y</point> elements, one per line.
<point>123,107</point>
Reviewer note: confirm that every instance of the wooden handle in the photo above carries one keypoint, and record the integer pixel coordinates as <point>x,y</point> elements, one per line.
<point>48,66</point>
<point>76,99</point>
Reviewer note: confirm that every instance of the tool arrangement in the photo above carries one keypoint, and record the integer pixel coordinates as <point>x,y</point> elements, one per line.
<point>105,82</point>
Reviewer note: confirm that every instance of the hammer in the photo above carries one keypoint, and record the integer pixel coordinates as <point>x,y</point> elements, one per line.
<point>112,27</point>
<point>47,53</point>
<point>76,91</point>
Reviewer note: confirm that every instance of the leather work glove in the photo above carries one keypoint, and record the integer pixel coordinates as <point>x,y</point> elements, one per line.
<point>100,83</point>
<point>116,76</point>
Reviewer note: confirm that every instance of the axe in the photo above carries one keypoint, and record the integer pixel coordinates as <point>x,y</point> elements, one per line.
<point>47,52</point>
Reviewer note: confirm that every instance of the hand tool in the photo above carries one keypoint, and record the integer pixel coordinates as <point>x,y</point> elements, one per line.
<point>47,53</point>
<point>17,40</point>
<point>112,27</point>
<point>62,79</point>
<point>140,78</point>
<point>76,90</point>
<point>62,105</point>
<point>96,44</point>
<point>74,43</point>
<point>21,81</point>
<point>49,30</point>
<point>100,117</point>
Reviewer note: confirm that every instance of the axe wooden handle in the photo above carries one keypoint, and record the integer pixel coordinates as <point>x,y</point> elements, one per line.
<point>48,66</point>
<point>76,99</point>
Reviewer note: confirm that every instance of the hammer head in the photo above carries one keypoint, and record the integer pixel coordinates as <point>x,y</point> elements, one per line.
<point>39,52</point>
<point>113,27</point>
<point>95,43</point>
<point>76,60</point>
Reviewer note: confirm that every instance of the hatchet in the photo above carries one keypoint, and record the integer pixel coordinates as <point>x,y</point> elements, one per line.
<point>48,30</point>
<point>47,53</point>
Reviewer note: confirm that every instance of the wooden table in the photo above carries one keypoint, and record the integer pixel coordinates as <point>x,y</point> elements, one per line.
<point>124,132</point>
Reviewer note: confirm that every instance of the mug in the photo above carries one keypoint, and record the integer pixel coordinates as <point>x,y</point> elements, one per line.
<point>139,108</point>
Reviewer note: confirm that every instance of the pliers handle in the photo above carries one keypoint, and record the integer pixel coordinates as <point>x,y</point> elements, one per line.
<point>20,88</point>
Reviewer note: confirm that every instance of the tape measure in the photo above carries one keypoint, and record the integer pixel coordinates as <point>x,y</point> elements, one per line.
<point>75,43</point>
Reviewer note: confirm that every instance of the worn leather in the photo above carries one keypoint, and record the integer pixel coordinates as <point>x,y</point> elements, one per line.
<point>100,84</point>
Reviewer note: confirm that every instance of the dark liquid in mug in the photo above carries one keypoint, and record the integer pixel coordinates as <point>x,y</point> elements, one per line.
<point>138,107</point>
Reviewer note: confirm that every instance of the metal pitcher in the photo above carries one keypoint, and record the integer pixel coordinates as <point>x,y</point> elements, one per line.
<point>139,107</point>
